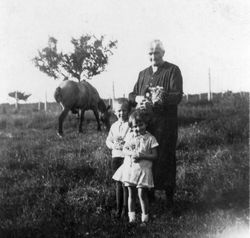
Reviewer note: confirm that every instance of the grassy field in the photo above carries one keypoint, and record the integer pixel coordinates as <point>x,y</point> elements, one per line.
<point>52,187</point>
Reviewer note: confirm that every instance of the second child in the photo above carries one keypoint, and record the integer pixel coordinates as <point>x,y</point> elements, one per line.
<point>115,142</point>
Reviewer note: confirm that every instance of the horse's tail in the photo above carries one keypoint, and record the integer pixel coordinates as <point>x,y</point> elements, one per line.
<point>58,95</point>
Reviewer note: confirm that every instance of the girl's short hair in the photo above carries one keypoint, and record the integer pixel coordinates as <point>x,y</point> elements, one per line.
<point>121,102</point>
<point>138,116</point>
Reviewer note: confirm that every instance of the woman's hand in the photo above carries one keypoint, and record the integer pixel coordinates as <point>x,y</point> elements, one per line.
<point>141,102</point>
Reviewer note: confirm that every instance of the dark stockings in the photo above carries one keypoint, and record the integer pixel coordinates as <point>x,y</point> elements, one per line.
<point>121,199</point>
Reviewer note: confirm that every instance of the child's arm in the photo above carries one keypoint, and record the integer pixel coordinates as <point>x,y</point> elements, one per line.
<point>149,156</point>
<point>110,140</point>
<point>128,147</point>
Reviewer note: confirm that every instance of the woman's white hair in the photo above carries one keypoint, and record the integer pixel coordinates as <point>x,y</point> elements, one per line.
<point>156,43</point>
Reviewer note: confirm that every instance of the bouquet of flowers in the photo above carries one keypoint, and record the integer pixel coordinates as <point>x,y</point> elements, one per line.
<point>156,95</point>
<point>133,146</point>
<point>134,143</point>
<point>119,142</point>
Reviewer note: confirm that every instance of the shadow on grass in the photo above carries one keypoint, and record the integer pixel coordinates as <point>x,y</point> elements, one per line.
<point>235,199</point>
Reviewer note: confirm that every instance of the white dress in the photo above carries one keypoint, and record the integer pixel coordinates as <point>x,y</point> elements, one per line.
<point>137,174</point>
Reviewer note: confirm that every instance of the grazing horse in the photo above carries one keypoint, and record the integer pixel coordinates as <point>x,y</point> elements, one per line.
<point>80,96</point>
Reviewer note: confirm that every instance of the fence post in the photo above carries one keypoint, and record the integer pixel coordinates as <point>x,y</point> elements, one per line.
<point>16,104</point>
<point>110,102</point>
<point>113,89</point>
<point>45,103</point>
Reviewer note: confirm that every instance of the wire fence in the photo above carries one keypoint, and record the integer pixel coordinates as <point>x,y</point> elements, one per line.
<point>212,96</point>
<point>56,108</point>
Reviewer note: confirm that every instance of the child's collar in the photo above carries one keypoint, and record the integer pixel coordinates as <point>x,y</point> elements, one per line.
<point>146,132</point>
<point>121,121</point>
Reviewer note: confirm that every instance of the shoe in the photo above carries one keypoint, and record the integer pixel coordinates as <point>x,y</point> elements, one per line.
<point>132,224</point>
<point>144,218</point>
<point>132,217</point>
<point>143,224</point>
<point>59,134</point>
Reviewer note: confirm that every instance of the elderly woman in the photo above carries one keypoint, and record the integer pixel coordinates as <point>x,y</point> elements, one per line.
<point>163,125</point>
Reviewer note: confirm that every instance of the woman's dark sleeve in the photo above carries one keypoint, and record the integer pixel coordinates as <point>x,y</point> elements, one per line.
<point>134,93</point>
<point>174,95</point>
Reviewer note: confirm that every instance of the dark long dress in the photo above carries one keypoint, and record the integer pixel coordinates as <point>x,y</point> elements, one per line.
<point>164,124</point>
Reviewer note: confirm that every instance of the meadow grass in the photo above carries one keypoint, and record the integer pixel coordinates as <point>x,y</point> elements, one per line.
<point>52,187</point>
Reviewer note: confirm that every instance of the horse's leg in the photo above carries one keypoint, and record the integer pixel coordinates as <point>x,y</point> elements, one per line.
<point>61,118</point>
<point>81,119</point>
<point>97,119</point>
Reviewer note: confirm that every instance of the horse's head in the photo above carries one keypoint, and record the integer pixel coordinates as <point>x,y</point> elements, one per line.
<point>105,114</point>
<point>105,118</point>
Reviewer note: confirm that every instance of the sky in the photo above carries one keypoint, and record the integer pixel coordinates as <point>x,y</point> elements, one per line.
<point>197,35</point>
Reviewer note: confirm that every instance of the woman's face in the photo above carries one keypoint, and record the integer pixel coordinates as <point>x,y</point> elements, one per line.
<point>156,55</point>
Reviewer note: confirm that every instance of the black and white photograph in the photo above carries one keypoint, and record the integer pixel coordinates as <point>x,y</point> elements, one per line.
<point>124,118</point>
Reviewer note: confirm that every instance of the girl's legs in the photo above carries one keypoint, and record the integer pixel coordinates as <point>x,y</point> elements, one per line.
<point>131,203</point>
<point>125,201</point>
<point>116,163</point>
<point>143,197</point>
<point>119,198</point>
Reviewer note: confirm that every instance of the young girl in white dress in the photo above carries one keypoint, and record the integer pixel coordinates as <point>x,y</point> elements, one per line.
<point>140,150</point>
